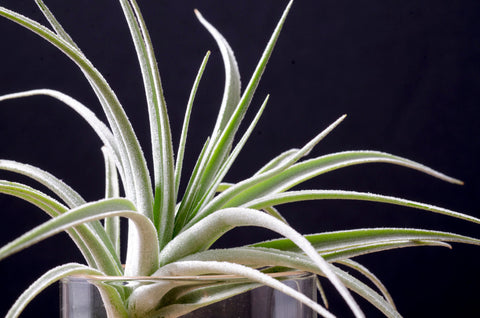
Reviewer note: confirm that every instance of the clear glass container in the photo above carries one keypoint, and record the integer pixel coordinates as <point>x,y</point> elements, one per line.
<point>80,298</point>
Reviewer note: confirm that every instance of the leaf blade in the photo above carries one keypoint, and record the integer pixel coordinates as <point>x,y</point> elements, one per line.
<point>309,169</point>
<point>221,143</point>
<point>330,241</point>
<point>204,267</point>
<point>201,235</point>
<point>306,195</point>
<point>138,184</point>
<point>147,244</point>
<point>160,133</point>
<point>185,125</point>
<point>54,275</point>
<point>90,238</point>
<point>253,256</point>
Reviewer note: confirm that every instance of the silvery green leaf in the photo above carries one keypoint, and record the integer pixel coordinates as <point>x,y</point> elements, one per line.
<point>112,190</point>
<point>160,133</point>
<point>136,172</point>
<point>202,235</point>
<point>230,160</point>
<point>146,252</point>
<point>331,242</point>
<point>256,187</point>
<point>221,143</point>
<point>57,186</point>
<point>271,170</point>
<point>97,125</point>
<point>114,303</point>
<point>231,93</point>
<point>267,257</point>
<point>186,122</point>
<point>306,195</point>
<point>371,277</point>
<point>207,267</point>
<point>90,237</point>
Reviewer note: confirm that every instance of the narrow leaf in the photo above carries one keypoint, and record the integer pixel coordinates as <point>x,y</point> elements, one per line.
<point>56,274</point>
<point>272,169</point>
<point>371,277</point>
<point>207,267</point>
<point>57,186</point>
<point>162,149</point>
<point>188,111</point>
<point>219,147</point>
<point>231,93</point>
<point>271,257</point>
<point>230,160</point>
<point>112,190</point>
<point>305,195</point>
<point>278,160</point>
<point>146,252</point>
<point>138,183</point>
<point>90,238</point>
<point>182,300</point>
<point>97,125</point>
<point>201,235</point>
<point>308,169</point>
<point>327,242</point>
<point>55,24</point>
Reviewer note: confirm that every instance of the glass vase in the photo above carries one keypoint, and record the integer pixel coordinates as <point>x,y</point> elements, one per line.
<point>80,296</point>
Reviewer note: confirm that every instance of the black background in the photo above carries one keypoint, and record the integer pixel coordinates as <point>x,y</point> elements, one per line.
<point>405,72</point>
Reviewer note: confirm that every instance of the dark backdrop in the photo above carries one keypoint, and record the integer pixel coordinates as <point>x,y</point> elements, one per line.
<point>405,72</point>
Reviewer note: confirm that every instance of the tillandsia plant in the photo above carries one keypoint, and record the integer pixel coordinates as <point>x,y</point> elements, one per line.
<point>171,233</point>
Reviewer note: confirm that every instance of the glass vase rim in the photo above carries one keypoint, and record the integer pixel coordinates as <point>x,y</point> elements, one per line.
<point>293,274</point>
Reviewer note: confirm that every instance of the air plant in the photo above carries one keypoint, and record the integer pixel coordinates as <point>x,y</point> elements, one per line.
<point>171,232</point>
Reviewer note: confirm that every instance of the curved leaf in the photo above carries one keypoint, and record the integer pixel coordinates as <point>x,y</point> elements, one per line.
<point>201,235</point>
<point>231,93</point>
<point>219,148</point>
<point>112,190</point>
<point>207,267</point>
<point>57,186</point>
<point>272,169</point>
<point>183,300</point>
<point>231,97</point>
<point>161,139</point>
<point>230,160</point>
<point>371,277</point>
<point>146,260</point>
<point>367,293</point>
<point>363,249</point>
<point>328,241</point>
<point>55,274</point>
<point>97,125</point>
<point>186,121</point>
<point>308,169</point>
<point>138,184</point>
<point>54,23</point>
<point>90,239</point>
<point>306,195</point>
<point>266,257</point>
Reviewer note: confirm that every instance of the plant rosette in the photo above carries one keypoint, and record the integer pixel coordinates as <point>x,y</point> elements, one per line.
<point>171,233</point>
